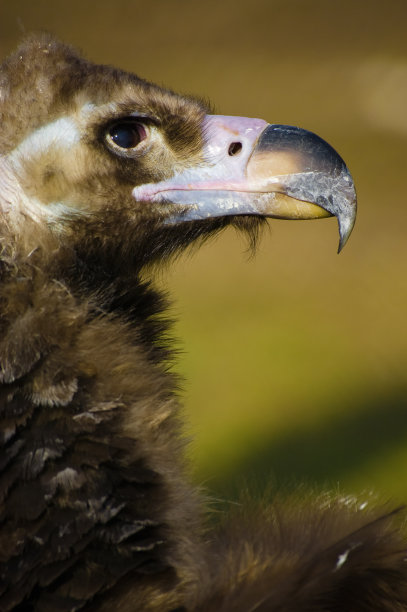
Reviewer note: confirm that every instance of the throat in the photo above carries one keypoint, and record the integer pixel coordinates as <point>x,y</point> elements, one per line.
<point>128,298</point>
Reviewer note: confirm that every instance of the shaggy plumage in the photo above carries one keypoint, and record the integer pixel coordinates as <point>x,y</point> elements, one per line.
<point>96,511</point>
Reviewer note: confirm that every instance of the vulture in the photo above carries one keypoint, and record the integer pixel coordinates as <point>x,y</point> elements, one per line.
<point>105,177</point>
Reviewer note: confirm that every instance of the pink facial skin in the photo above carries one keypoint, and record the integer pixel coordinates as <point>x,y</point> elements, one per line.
<point>223,168</point>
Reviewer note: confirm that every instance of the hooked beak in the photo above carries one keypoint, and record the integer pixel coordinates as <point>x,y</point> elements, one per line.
<point>254,168</point>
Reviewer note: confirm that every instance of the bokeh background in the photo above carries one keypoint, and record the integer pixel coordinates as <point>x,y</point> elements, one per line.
<point>295,360</point>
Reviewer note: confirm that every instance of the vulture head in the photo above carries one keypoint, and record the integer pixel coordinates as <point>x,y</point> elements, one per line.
<point>102,157</point>
<point>101,175</point>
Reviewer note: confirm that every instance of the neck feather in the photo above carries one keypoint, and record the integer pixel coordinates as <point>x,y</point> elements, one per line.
<point>90,445</point>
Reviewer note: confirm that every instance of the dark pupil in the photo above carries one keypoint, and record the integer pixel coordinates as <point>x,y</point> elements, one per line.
<point>125,135</point>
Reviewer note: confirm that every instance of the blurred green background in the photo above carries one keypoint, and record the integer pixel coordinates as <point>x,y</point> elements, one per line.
<point>295,360</point>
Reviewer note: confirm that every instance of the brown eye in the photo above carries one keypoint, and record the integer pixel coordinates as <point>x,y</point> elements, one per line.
<point>126,134</point>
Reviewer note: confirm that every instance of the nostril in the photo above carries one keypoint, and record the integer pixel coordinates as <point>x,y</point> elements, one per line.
<point>235,148</point>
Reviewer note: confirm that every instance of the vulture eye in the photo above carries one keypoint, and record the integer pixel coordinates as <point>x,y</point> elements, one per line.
<point>125,135</point>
